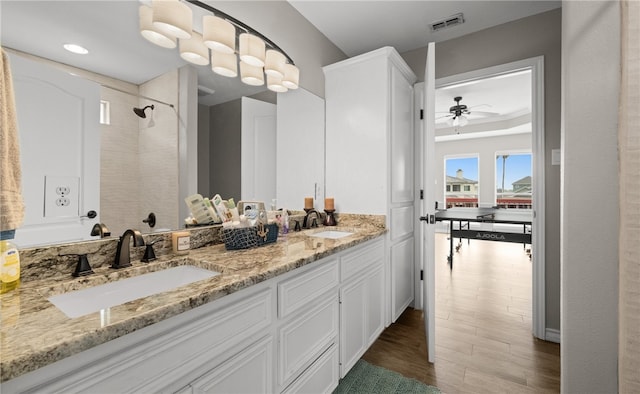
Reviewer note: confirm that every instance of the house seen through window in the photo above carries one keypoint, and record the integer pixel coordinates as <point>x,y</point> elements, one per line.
<point>461,182</point>
<point>513,180</point>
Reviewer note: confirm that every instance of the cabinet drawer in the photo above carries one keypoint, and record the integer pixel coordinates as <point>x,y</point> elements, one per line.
<point>248,372</point>
<point>300,290</point>
<point>303,339</point>
<point>320,377</point>
<point>363,258</point>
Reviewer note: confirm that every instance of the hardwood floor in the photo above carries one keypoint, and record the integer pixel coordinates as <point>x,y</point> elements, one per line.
<point>483,327</point>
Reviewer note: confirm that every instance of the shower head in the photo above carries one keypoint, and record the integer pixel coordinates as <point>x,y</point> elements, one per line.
<point>140,111</point>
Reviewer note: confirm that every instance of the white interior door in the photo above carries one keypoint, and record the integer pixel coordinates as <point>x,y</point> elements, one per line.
<point>58,122</point>
<point>428,203</point>
<point>258,172</point>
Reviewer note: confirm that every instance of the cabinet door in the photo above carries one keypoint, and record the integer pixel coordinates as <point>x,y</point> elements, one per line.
<point>401,277</point>
<point>374,306</point>
<point>248,372</point>
<point>353,319</point>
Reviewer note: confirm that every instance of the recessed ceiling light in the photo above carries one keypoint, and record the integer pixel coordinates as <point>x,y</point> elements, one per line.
<point>76,49</point>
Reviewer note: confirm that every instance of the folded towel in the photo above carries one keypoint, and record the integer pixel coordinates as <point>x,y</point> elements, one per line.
<point>11,202</point>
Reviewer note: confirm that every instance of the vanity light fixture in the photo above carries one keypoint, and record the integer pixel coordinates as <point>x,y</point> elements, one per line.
<point>194,51</point>
<point>252,50</point>
<point>167,21</point>
<point>152,33</point>
<point>218,34</point>
<point>275,83</point>
<point>251,75</point>
<point>172,17</point>
<point>75,48</point>
<point>225,64</point>
<point>274,63</point>
<point>291,76</point>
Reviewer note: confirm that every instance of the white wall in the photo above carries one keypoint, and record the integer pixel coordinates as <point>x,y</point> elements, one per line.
<point>589,226</point>
<point>485,149</point>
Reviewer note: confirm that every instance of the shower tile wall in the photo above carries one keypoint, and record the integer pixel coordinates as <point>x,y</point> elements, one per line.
<point>139,164</point>
<point>119,170</point>
<point>158,150</point>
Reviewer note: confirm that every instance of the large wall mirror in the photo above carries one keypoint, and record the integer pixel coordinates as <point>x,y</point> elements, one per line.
<point>194,140</point>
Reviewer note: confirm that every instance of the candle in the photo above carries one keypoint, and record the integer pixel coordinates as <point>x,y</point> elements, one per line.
<point>308,203</point>
<point>328,204</point>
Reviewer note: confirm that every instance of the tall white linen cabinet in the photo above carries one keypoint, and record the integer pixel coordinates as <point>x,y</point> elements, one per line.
<point>370,156</point>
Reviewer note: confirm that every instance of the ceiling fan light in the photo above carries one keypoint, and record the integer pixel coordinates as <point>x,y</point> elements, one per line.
<point>225,64</point>
<point>218,34</point>
<point>252,50</point>
<point>172,17</point>
<point>251,75</point>
<point>463,121</point>
<point>291,76</point>
<point>150,32</point>
<point>450,121</point>
<point>194,51</point>
<point>275,84</point>
<point>274,63</point>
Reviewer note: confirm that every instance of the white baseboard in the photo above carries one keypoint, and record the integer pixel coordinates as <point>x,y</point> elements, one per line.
<point>552,335</point>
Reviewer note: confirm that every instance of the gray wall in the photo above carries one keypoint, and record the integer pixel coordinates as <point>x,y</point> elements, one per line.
<point>590,84</point>
<point>203,150</point>
<point>224,149</point>
<point>525,38</point>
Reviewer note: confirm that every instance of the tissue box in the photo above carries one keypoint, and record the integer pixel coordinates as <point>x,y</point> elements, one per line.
<point>249,237</point>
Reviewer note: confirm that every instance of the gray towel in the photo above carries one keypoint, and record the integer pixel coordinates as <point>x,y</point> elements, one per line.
<point>11,202</point>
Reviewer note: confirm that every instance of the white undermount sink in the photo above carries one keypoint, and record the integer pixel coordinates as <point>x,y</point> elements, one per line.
<point>93,299</point>
<point>332,234</point>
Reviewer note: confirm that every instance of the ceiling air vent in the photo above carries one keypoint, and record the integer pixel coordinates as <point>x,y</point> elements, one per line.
<point>450,21</point>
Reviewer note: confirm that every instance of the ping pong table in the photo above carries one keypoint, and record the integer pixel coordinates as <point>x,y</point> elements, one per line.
<point>465,216</point>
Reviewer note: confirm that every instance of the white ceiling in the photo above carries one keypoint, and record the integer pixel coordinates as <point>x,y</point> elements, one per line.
<point>110,30</point>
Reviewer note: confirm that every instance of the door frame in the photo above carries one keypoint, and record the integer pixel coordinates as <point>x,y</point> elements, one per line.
<point>536,65</point>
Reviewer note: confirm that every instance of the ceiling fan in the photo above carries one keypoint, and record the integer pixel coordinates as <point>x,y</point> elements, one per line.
<point>458,114</point>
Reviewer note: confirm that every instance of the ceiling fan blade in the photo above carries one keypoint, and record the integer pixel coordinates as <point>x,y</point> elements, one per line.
<point>483,113</point>
<point>480,105</point>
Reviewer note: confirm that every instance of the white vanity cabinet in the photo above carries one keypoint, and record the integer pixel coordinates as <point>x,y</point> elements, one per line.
<point>298,332</point>
<point>361,301</point>
<point>370,155</point>
<point>166,356</point>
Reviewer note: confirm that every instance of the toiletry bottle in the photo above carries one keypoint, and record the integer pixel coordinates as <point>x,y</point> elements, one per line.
<point>285,221</point>
<point>9,266</point>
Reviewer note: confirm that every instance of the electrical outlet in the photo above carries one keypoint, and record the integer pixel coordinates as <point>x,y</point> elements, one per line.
<point>63,202</point>
<point>62,190</point>
<point>61,196</point>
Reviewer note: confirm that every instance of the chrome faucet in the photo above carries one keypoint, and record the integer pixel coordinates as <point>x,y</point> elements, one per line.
<point>123,257</point>
<point>310,221</point>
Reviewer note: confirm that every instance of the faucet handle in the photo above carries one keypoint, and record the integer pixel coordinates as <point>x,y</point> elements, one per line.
<point>82,268</point>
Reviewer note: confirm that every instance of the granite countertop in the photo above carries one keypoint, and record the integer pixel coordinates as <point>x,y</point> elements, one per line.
<point>35,333</point>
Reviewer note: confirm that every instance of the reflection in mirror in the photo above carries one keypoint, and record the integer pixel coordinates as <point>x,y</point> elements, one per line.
<point>137,166</point>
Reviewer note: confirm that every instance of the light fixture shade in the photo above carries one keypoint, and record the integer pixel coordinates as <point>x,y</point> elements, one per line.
<point>291,76</point>
<point>218,34</point>
<point>225,64</point>
<point>274,63</point>
<point>275,83</point>
<point>193,50</point>
<point>251,75</point>
<point>462,120</point>
<point>150,32</point>
<point>172,17</point>
<point>252,50</point>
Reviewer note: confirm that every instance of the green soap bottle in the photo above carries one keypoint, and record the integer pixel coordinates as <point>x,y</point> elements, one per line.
<point>9,266</point>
